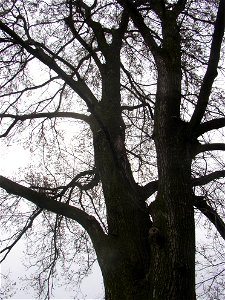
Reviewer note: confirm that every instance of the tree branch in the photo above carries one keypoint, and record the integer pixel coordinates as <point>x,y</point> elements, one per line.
<point>49,115</point>
<point>21,233</point>
<point>209,147</point>
<point>210,125</point>
<point>140,24</point>
<point>60,190</point>
<point>78,86</point>
<point>8,129</point>
<point>149,189</point>
<point>211,71</point>
<point>211,214</point>
<point>89,223</point>
<point>70,23</point>
<point>152,187</point>
<point>96,27</point>
<point>179,6</point>
<point>208,178</point>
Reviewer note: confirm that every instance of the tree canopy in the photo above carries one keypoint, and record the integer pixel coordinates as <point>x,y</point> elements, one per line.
<point>121,106</point>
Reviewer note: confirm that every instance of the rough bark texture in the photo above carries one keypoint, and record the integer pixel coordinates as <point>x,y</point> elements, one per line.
<point>124,260</point>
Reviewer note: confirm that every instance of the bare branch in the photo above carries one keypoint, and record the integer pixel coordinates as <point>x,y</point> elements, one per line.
<point>208,178</point>
<point>96,27</point>
<point>37,86</point>
<point>23,231</point>
<point>90,224</point>
<point>211,71</point>
<point>149,189</point>
<point>70,23</point>
<point>201,204</point>
<point>78,86</point>
<point>140,24</point>
<point>73,183</point>
<point>48,115</point>
<point>8,129</point>
<point>152,187</point>
<point>210,125</point>
<point>210,147</point>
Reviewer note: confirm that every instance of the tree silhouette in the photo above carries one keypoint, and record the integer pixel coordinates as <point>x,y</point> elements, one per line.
<point>121,106</point>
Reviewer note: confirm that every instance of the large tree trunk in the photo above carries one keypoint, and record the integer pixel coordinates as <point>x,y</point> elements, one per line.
<point>172,270</point>
<point>141,260</point>
<point>125,256</point>
<point>172,266</point>
<point>124,259</point>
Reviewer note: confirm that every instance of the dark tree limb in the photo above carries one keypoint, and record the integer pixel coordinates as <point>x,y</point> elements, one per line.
<point>70,23</point>
<point>8,129</point>
<point>96,27</point>
<point>61,190</point>
<point>74,182</point>
<point>89,223</point>
<point>48,115</point>
<point>211,214</point>
<point>78,86</point>
<point>149,189</point>
<point>208,178</point>
<point>210,125</point>
<point>211,71</point>
<point>179,6</point>
<point>152,187</point>
<point>140,24</point>
<point>210,147</point>
<point>28,225</point>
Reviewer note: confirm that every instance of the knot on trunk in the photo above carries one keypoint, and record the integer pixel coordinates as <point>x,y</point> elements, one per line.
<point>155,237</point>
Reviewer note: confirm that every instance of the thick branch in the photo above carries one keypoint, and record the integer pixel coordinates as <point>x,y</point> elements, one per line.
<point>210,125</point>
<point>208,178</point>
<point>8,129</point>
<point>211,214</point>
<point>179,6</point>
<point>78,86</point>
<point>149,189</point>
<point>96,27</point>
<point>89,223</point>
<point>140,24</point>
<point>41,115</point>
<point>210,147</point>
<point>73,183</point>
<point>48,115</point>
<point>211,71</point>
<point>70,23</point>
<point>152,187</point>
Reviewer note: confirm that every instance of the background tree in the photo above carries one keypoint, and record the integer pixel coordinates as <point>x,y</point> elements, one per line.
<point>119,105</point>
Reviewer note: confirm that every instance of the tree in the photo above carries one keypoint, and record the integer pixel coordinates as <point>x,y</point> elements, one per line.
<point>137,81</point>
